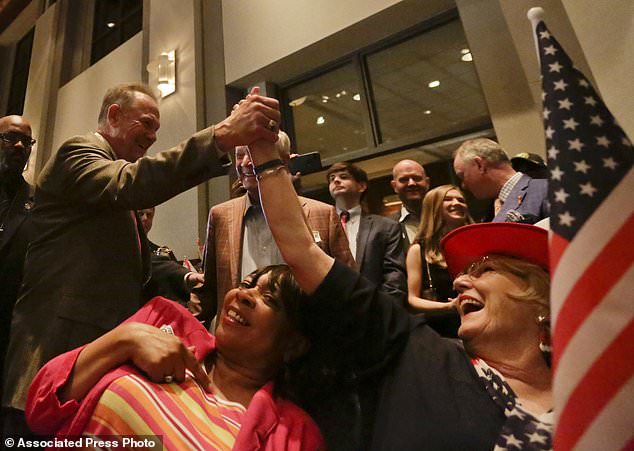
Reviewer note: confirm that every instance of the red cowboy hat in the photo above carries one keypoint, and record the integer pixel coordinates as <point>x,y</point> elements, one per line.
<point>466,245</point>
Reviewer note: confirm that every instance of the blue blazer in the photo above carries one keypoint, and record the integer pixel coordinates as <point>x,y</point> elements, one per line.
<point>527,202</point>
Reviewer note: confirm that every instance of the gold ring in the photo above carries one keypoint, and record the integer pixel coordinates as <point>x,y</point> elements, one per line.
<point>272,125</point>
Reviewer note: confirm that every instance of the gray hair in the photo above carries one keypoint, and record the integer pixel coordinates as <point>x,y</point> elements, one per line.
<point>123,95</point>
<point>484,148</point>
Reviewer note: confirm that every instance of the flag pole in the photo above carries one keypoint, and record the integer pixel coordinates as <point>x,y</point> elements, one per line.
<point>536,15</point>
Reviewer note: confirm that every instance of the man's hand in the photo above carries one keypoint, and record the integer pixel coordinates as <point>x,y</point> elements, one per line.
<point>254,118</point>
<point>194,305</point>
<point>194,279</point>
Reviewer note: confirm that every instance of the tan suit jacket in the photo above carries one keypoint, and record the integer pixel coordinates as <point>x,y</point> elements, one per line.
<point>223,247</point>
<point>88,261</point>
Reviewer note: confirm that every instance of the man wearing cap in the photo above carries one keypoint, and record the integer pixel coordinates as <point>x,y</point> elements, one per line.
<point>486,171</point>
<point>411,183</point>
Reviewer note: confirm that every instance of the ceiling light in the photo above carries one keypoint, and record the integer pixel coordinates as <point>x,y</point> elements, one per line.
<point>427,112</point>
<point>343,92</point>
<point>356,97</point>
<point>434,84</point>
<point>320,120</point>
<point>324,99</point>
<point>298,101</point>
<point>467,57</point>
<point>338,95</point>
<point>465,51</point>
<point>110,24</point>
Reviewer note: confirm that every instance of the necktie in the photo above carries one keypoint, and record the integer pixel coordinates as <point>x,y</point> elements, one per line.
<point>344,217</point>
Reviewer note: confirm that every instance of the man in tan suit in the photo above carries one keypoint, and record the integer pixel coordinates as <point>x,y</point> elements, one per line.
<point>239,241</point>
<point>85,271</point>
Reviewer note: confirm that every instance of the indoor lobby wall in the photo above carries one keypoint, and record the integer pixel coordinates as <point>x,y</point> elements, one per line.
<point>171,27</point>
<point>281,40</point>
<point>606,34</point>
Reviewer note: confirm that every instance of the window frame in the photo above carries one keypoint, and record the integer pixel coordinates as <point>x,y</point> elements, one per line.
<point>374,145</point>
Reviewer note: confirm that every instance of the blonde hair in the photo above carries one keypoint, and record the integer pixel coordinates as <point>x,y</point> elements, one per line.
<point>432,227</point>
<point>535,279</point>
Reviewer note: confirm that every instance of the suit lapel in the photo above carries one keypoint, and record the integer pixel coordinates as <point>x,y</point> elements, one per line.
<point>236,232</point>
<point>365,226</point>
<point>515,199</point>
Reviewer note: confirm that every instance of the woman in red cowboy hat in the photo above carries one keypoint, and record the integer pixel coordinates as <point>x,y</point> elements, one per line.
<point>432,393</point>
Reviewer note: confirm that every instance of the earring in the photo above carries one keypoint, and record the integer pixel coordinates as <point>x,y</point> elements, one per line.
<point>544,322</point>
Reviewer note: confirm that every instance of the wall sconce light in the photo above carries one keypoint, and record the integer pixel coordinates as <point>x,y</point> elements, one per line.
<point>163,72</point>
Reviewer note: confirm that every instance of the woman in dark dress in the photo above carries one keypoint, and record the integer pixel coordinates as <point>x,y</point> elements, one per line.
<point>495,392</point>
<point>429,286</point>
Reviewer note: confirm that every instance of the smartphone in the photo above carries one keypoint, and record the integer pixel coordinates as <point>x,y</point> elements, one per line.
<point>306,163</point>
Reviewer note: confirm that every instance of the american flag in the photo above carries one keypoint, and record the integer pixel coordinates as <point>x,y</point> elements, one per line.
<point>591,253</point>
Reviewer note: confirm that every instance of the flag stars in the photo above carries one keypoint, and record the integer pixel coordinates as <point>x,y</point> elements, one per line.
<point>511,440</point>
<point>544,35</point>
<point>556,67</point>
<point>546,113</point>
<point>588,189</point>
<point>603,141</point>
<point>584,83</point>
<point>581,166</point>
<point>575,144</point>
<point>610,163</point>
<point>536,437</point>
<point>570,124</point>
<point>566,219</point>
<point>560,85</point>
<point>556,173</point>
<point>590,101</point>
<point>561,195</point>
<point>626,142</point>
<point>596,120</point>
<point>565,104</point>
<point>549,132</point>
<point>553,152</point>
<point>550,50</point>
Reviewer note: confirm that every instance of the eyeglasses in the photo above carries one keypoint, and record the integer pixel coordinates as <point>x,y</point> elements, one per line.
<point>13,138</point>
<point>475,267</point>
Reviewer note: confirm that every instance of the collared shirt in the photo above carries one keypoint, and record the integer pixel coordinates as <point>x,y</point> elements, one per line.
<point>352,228</point>
<point>258,246</point>
<point>410,221</point>
<point>508,186</point>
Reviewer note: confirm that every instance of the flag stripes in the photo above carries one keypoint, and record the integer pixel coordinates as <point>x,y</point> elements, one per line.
<point>581,410</point>
<point>612,262</point>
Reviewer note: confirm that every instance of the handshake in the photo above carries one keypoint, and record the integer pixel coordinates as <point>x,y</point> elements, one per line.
<point>253,122</point>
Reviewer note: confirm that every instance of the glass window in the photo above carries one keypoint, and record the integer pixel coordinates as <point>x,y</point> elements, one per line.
<point>327,113</point>
<point>20,75</point>
<point>426,85</point>
<point>116,21</point>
